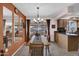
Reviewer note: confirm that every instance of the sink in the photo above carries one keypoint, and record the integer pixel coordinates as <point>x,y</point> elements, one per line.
<point>72,34</point>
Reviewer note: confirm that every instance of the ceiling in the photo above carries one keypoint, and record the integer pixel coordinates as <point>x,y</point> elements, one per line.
<point>46,10</point>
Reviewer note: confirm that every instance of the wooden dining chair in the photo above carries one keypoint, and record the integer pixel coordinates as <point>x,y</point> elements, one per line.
<point>36,49</point>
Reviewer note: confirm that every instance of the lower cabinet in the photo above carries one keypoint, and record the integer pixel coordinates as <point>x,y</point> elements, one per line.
<point>67,42</point>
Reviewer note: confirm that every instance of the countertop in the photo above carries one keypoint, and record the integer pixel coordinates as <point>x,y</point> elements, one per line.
<point>69,34</point>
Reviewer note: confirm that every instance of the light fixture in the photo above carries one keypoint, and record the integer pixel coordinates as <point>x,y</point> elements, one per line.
<point>38,19</point>
<point>34,20</point>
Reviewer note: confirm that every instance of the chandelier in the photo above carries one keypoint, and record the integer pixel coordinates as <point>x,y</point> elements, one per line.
<point>38,19</point>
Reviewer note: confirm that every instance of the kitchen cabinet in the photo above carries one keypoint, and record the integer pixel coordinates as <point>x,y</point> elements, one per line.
<point>62,23</point>
<point>67,42</point>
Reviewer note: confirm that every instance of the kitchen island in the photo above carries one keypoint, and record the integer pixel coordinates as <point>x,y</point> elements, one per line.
<point>69,42</point>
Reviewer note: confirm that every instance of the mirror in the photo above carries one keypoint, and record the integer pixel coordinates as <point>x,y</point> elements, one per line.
<point>7,27</point>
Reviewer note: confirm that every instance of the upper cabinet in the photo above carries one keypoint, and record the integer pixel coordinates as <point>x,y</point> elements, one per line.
<point>62,23</point>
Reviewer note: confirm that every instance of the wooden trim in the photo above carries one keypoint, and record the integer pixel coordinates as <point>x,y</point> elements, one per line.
<point>12,8</point>
<point>1,27</point>
<point>14,47</point>
<point>18,13</point>
<point>19,23</point>
<point>13,27</point>
<point>24,30</point>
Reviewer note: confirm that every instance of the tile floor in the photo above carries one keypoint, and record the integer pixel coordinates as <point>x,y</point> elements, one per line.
<point>55,50</point>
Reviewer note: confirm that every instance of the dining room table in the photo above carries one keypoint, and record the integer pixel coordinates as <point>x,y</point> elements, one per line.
<point>41,40</point>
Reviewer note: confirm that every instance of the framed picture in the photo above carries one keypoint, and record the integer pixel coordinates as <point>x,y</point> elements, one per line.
<point>53,26</point>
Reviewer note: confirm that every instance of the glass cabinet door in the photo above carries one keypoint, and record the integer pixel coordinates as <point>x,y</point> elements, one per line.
<point>16,25</point>
<point>7,27</point>
<point>18,28</point>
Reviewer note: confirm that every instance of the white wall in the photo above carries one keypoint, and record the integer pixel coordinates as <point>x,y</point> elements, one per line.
<point>52,22</point>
